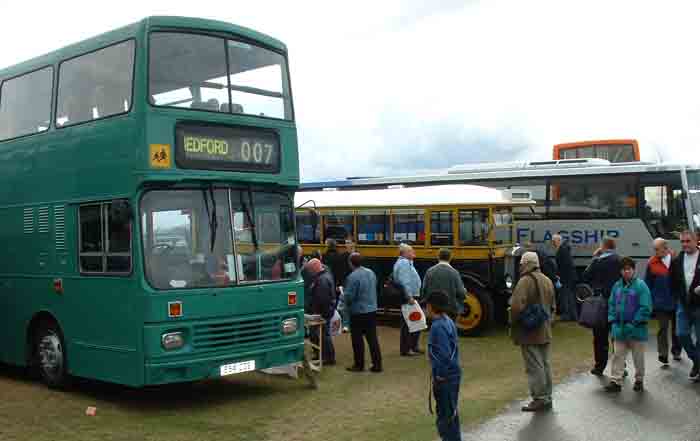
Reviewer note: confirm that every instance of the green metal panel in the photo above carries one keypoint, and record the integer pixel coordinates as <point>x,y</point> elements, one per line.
<point>113,324</point>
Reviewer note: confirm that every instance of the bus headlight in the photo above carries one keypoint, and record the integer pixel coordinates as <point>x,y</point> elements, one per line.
<point>509,281</point>
<point>289,326</point>
<point>172,341</point>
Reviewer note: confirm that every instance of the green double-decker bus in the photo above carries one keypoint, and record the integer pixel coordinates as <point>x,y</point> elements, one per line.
<point>146,206</point>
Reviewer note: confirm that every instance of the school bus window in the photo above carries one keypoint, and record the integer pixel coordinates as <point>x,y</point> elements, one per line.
<point>409,226</point>
<point>503,228</point>
<point>308,227</point>
<point>373,227</point>
<point>441,228</point>
<point>339,225</point>
<point>473,227</point>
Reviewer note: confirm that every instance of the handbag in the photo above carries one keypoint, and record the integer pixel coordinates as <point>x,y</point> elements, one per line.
<point>534,315</point>
<point>594,312</point>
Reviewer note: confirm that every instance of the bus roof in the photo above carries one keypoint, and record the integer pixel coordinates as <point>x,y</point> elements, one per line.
<point>455,194</point>
<point>510,170</point>
<point>131,31</point>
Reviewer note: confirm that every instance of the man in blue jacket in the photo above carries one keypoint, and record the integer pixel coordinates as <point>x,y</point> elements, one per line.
<point>360,299</point>
<point>443,352</point>
<point>405,274</point>
<point>658,279</point>
<point>629,310</point>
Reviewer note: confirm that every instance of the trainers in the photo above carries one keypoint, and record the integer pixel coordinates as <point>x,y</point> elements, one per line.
<point>663,359</point>
<point>613,387</point>
<point>694,372</point>
<point>638,386</point>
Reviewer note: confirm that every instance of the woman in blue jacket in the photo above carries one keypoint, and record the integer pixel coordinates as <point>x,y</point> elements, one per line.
<point>629,310</point>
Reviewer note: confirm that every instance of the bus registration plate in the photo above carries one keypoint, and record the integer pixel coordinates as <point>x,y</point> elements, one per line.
<point>237,368</point>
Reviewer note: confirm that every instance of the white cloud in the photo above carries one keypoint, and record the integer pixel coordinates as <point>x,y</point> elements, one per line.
<point>380,85</point>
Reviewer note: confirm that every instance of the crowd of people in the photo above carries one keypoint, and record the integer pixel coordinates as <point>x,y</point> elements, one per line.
<point>670,290</point>
<point>547,286</point>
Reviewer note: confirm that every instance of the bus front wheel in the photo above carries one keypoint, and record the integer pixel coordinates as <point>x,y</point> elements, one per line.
<point>478,312</point>
<point>50,355</point>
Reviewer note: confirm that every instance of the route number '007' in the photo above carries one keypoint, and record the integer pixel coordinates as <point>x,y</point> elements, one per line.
<point>259,153</point>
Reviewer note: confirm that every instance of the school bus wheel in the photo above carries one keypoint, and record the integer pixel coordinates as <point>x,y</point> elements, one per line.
<point>478,312</point>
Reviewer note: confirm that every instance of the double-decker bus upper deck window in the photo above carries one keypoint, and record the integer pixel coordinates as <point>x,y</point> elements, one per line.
<point>191,71</point>
<point>96,85</point>
<point>25,104</point>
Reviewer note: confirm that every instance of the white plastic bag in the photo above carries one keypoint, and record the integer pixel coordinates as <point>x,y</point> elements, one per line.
<point>414,317</point>
<point>336,324</point>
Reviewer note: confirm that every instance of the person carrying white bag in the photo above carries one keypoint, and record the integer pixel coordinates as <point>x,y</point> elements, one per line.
<point>406,279</point>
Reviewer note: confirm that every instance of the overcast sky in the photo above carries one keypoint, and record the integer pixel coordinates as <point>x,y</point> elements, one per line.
<point>388,87</point>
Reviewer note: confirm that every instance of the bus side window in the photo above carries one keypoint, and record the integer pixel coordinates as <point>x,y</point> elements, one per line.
<point>105,247</point>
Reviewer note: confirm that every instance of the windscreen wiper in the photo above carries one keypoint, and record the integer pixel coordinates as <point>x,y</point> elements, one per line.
<point>213,222</point>
<point>248,214</point>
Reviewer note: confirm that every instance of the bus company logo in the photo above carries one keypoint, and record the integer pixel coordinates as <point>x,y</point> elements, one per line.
<point>574,237</point>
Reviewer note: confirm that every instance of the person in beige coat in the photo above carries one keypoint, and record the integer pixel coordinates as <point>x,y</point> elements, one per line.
<point>534,287</point>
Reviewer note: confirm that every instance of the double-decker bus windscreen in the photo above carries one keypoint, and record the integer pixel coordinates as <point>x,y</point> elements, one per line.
<point>215,74</point>
<point>189,241</point>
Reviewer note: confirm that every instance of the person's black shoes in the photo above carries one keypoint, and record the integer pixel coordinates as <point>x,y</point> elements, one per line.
<point>355,369</point>
<point>677,357</point>
<point>613,387</point>
<point>695,372</point>
<point>537,406</point>
<point>376,369</point>
<point>638,386</point>
<point>663,359</point>
<point>597,372</point>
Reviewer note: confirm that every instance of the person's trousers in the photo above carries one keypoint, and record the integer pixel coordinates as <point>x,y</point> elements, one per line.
<point>539,371</point>
<point>567,303</point>
<point>667,325</point>
<point>446,395</point>
<point>601,346</point>
<point>408,341</point>
<point>622,348</point>
<point>328,350</point>
<point>687,326</point>
<point>364,326</point>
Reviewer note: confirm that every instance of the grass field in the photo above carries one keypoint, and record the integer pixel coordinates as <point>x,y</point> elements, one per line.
<point>253,407</point>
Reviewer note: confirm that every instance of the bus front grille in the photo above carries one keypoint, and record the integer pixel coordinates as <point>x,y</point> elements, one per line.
<point>236,334</point>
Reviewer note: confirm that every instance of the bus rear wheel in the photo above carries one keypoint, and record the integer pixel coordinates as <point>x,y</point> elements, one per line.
<point>478,312</point>
<point>49,355</point>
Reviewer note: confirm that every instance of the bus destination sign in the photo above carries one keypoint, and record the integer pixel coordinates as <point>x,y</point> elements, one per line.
<point>211,147</point>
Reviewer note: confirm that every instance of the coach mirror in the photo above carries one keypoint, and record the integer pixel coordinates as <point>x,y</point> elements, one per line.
<point>120,212</point>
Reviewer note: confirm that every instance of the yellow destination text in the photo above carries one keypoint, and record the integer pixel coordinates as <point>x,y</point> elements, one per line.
<point>211,146</point>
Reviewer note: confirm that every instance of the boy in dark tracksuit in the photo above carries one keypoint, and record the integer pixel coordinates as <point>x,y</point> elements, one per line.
<point>443,351</point>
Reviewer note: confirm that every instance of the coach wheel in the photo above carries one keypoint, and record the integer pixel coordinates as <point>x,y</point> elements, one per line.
<point>478,312</point>
<point>50,355</point>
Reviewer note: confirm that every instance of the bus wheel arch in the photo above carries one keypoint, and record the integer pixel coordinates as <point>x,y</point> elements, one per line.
<point>478,308</point>
<point>46,350</point>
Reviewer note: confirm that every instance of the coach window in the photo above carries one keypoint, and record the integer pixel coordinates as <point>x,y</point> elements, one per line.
<point>441,228</point>
<point>409,226</point>
<point>373,227</point>
<point>25,104</point>
<point>473,227</point>
<point>593,197</point>
<point>537,189</point>
<point>95,85</point>
<point>105,238</point>
<point>339,225</point>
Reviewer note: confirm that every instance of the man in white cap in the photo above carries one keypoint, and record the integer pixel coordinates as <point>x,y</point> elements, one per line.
<point>534,288</point>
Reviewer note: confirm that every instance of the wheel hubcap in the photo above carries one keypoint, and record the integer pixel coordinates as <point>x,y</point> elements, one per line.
<point>471,317</point>
<point>51,354</point>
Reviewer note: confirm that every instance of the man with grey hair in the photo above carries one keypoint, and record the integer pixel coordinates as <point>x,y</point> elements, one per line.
<point>658,279</point>
<point>406,276</point>
<point>534,288</point>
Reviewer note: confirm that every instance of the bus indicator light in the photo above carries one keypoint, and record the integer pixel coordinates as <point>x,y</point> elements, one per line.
<point>58,286</point>
<point>292,298</point>
<point>174,309</point>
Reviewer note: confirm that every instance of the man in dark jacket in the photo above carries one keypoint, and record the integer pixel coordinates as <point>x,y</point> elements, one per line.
<point>601,274</point>
<point>658,279</point>
<point>443,277</point>
<point>322,302</point>
<point>567,278</point>
<point>337,262</point>
<point>685,283</point>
